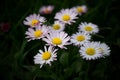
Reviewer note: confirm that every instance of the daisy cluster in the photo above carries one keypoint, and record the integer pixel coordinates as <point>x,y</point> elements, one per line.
<point>56,38</point>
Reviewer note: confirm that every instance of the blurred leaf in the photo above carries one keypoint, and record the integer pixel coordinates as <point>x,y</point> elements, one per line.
<point>68,72</point>
<point>118,42</point>
<point>77,65</point>
<point>21,50</point>
<point>77,79</point>
<point>104,28</point>
<point>64,58</point>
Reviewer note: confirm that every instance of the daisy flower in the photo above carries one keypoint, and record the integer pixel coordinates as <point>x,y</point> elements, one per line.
<point>58,26</point>
<point>89,51</point>
<point>45,57</point>
<point>46,9</point>
<point>59,39</point>
<point>80,9</point>
<point>37,33</point>
<point>80,38</point>
<point>88,28</point>
<point>34,20</point>
<point>66,16</point>
<point>104,49</point>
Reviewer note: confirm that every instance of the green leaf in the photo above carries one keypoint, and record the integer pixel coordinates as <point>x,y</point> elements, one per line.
<point>64,58</point>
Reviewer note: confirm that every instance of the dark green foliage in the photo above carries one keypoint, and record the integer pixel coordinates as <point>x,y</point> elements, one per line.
<point>16,55</point>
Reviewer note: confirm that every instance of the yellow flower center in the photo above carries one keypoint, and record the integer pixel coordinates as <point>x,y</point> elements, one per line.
<point>66,17</point>
<point>37,33</point>
<point>56,41</point>
<point>80,38</point>
<point>90,51</point>
<point>56,26</point>
<point>88,28</point>
<point>79,10</point>
<point>46,11</point>
<point>34,22</point>
<point>46,55</point>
